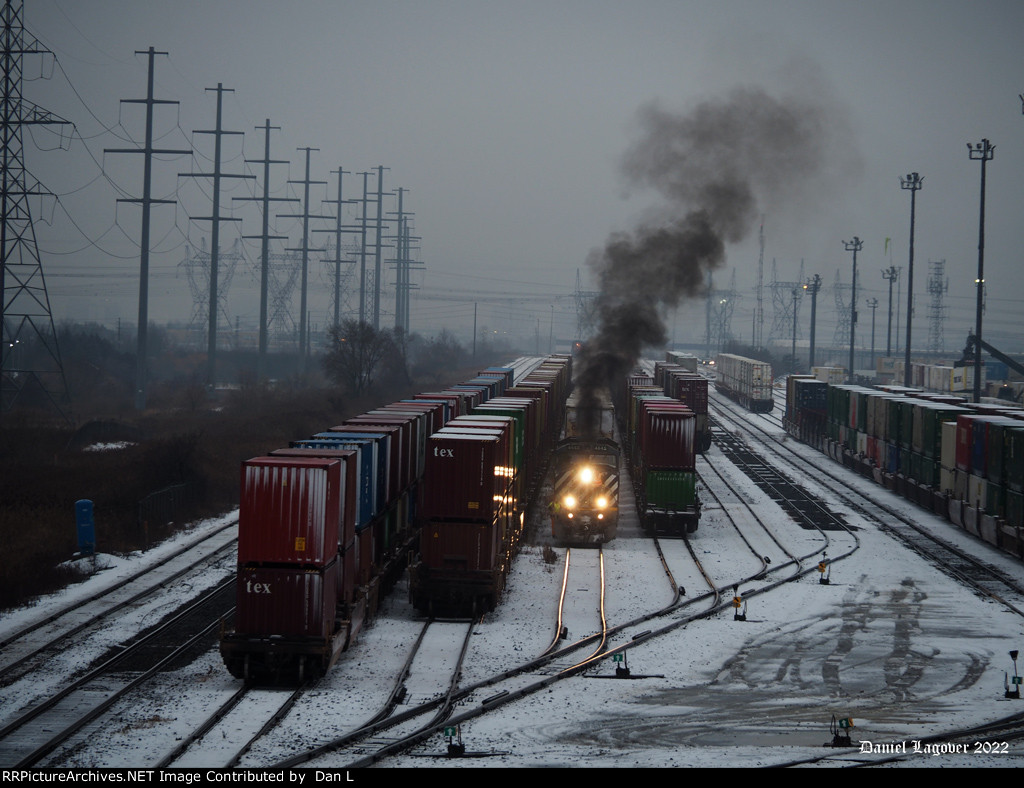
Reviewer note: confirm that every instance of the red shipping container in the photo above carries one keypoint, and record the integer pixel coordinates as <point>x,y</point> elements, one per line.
<point>292,510</point>
<point>286,601</point>
<point>458,546</point>
<point>668,438</point>
<point>459,481</point>
<point>351,485</point>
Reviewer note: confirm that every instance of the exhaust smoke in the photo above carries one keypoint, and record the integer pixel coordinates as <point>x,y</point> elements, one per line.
<point>717,168</point>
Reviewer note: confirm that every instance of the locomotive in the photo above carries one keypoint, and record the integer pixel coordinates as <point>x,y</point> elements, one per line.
<point>584,505</point>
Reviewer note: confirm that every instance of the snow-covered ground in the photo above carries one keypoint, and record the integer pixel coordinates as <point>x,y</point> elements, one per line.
<point>892,643</point>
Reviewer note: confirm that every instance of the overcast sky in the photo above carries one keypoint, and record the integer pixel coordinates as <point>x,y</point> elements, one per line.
<point>507,122</point>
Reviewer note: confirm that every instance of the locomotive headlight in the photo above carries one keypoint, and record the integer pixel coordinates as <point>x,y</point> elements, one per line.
<point>569,501</point>
<point>602,502</point>
<point>587,475</point>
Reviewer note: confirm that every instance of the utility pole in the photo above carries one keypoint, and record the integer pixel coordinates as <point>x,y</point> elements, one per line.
<point>853,246</point>
<point>339,228</point>
<point>24,301</point>
<point>265,236</point>
<point>362,252</point>
<point>147,201</point>
<point>304,249</point>
<point>216,219</point>
<point>890,274</point>
<point>403,264</point>
<point>380,230</point>
<point>911,183</point>
<point>873,306</point>
<point>812,286</point>
<point>982,151</point>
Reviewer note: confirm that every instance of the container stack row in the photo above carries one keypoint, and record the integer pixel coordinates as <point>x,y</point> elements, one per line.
<point>480,474</point>
<point>661,440</point>
<point>327,524</point>
<point>962,460</point>
<point>691,389</point>
<point>746,380</point>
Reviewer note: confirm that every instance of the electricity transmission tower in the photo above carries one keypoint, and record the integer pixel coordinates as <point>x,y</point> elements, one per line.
<point>197,265</point>
<point>215,219</point>
<point>30,362</point>
<point>843,308</point>
<point>721,304</point>
<point>146,201</point>
<point>586,312</point>
<point>283,274</point>
<point>783,304</point>
<point>938,285</point>
<point>265,236</point>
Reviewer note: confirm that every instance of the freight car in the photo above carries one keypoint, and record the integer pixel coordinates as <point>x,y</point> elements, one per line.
<point>584,505</point>
<point>960,460</point>
<point>480,474</point>
<point>745,380</point>
<point>681,382</point>
<point>661,440</point>
<point>327,525</point>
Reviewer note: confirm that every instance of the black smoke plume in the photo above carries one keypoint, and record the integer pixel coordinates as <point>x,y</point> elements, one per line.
<point>717,167</point>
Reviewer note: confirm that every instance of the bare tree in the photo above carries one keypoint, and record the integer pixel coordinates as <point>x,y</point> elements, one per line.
<point>357,354</point>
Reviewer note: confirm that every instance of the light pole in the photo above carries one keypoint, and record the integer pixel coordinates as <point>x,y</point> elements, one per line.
<point>982,151</point>
<point>812,286</point>
<point>853,246</point>
<point>890,274</point>
<point>873,306</point>
<point>796,293</point>
<point>912,183</point>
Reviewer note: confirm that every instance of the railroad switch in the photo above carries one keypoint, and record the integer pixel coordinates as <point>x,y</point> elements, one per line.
<point>825,568</point>
<point>456,749</point>
<point>840,730</point>
<point>1015,682</point>
<point>738,603</point>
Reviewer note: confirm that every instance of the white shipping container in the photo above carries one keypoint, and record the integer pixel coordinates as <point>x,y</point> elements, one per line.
<point>948,451</point>
<point>977,489</point>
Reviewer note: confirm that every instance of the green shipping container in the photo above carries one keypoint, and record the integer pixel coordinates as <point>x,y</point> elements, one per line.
<point>672,489</point>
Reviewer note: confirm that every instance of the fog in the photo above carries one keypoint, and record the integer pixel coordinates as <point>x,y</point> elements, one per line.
<point>523,136</point>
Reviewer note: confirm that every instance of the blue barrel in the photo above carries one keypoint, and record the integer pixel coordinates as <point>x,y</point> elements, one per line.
<point>86,527</point>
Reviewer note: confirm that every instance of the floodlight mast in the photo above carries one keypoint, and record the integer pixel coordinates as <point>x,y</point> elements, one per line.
<point>981,151</point>
<point>911,183</point>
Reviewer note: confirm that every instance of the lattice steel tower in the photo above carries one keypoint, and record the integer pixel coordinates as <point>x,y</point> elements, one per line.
<point>720,307</point>
<point>30,360</point>
<point>843,294</point>
<point>938,285</point>
<point>784,306</point>
<point>197,265</point>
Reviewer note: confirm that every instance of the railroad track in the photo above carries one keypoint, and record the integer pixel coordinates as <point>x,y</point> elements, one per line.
<point>40,730</point>
<point>982,576</point>
<point>22,650</point>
